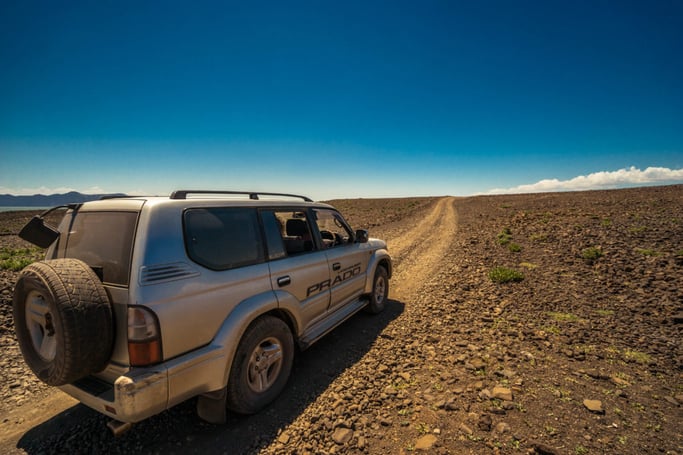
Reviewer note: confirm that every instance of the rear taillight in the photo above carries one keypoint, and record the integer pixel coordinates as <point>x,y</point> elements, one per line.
<point>144,337</point>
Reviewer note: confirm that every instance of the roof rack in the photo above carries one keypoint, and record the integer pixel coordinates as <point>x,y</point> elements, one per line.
<point>105,197</point>
<point>182,194</point>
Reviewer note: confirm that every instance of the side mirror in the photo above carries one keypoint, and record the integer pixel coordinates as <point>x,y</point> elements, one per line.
<point>361,236</point>
<point>38,233</point>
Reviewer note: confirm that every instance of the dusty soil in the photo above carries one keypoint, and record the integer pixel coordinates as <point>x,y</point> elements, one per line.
<point>583,355</point>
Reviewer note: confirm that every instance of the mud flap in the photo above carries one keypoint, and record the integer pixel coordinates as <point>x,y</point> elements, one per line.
<point>211,406</point>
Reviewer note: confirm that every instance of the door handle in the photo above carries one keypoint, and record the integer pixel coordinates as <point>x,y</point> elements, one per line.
<point>336,266</point>
<point>284,280</point>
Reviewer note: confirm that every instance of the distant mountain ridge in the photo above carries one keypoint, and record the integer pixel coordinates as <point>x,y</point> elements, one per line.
<point>43,200</point>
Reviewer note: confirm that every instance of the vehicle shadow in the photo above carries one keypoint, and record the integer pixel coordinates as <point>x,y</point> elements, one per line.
<point>179,430</point>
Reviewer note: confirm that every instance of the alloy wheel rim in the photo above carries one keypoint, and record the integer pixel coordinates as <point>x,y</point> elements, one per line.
<point>265,364</point>
<point>40,326</point>
<point>380,288</point>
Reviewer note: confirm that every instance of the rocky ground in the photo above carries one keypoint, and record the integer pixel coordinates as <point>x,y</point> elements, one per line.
<point>578,353</point>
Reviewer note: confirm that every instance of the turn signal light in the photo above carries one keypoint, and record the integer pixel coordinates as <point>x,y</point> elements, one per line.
<point>144,337</point>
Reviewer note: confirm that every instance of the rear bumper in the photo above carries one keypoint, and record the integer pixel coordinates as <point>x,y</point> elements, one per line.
<point>144,392</point>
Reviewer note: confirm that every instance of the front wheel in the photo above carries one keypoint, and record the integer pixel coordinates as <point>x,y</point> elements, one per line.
<point>380,291</point>
<point>261,366</point>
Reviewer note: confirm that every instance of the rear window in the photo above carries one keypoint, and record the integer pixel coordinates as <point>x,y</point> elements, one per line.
<point>103,240</point>
<point>223,238</point>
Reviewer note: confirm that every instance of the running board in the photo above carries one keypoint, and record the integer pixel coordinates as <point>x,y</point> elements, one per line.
<point>329,323</point>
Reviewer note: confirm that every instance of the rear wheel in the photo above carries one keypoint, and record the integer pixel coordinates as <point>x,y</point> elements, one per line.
<point>380,291</point>
<point>261,366</point>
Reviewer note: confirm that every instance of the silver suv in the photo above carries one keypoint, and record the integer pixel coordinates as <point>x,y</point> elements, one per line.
<point>144,302</point>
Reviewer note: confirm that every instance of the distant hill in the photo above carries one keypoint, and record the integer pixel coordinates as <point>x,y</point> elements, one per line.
<point>42,200</point>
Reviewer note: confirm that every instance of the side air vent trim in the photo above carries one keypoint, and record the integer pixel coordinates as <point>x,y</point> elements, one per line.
<point>159,273</point>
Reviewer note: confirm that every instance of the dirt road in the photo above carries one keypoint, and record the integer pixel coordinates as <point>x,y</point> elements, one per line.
<point>418,251</point>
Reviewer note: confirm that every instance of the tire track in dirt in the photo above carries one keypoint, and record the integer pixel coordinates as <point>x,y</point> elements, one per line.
<point>418,252</point>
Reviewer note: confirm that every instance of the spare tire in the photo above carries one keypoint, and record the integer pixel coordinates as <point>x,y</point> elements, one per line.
<point>63,320</point>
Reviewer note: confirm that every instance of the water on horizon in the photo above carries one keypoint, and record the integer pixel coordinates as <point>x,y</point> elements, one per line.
<point>22,209</point>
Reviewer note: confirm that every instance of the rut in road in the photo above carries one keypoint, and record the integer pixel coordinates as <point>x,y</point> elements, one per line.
<point>417,252</point>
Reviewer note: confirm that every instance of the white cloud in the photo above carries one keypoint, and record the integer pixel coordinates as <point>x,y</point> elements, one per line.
<point>47,191</point>
<point>599,180</point>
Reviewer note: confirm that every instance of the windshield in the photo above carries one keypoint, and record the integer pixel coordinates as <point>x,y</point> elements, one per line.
<point>103,240</point>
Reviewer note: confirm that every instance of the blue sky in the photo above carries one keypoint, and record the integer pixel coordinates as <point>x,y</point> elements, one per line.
<point>340,99</point>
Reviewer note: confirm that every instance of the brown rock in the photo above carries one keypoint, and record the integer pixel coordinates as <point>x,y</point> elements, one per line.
<point>542,449</point>
<point>484,422</point>
<point>502,393</point>
<point>594,406</point>
<point>426,442</point>
<point>342,435</point>
<point>465,429</point>
<point>283,438</point>
<point>503,427</point>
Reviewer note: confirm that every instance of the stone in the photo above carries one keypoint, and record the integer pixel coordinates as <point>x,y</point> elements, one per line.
<point>503,427</point>
<point>618,381</point>
<point>594,406</point>
<point>477,363</point>
<point>502,393</point>
<point>384,421</point>
<point>671,400</point>
<point>342,435</point>
<point>283,438</point>
<point>484,422</point>
<point>390,390</point>
<point>426,442</point>
<point>465,429</point>
<point>542,449</point>
<point>451,406</point>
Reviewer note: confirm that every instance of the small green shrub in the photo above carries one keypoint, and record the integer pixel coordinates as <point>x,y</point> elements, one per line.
<point>605,312</point>
<point>563,317</point>
<point>606,222</point>
<point>647,252</point>
<point>505,275</point>
<point>15,259</point>
<point>591,253</point>
<point>514,248</point>
<point>15,264</point>
<point>637,356</point>
<point>504,236</point>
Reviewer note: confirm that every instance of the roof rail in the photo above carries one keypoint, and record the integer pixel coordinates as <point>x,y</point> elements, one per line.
<point>105,197</point>
<point>182,194</point>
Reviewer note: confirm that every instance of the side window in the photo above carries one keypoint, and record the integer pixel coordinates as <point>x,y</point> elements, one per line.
<point>223,238</point>
<point>273,228</point>
<point>333,229</point>
<point>295,231</point>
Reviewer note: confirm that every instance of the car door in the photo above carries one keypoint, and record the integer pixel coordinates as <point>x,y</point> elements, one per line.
<point>347,260</point>
<point>299,270</point>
